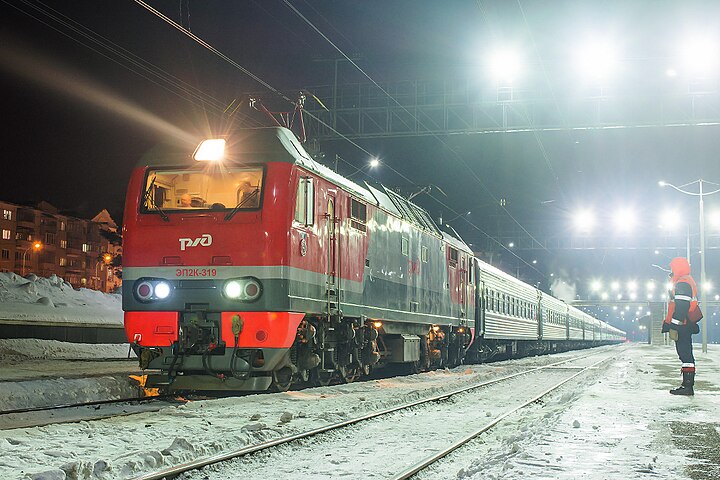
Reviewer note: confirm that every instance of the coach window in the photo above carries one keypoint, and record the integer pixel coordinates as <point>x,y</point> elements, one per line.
<point>358,215</point>
<point>305,202</point>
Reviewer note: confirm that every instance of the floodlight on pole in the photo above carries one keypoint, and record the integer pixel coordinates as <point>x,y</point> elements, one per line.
<point>597,60</point>
<point>700,194</point>
<point>624,220</point>
<point>505,65</point>
<point>699,55</point>
<point>584,220</point>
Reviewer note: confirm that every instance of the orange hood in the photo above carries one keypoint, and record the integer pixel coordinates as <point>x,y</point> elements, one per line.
<point>680,267</point>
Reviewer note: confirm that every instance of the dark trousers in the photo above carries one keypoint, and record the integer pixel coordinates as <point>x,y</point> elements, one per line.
<point>683,345</point>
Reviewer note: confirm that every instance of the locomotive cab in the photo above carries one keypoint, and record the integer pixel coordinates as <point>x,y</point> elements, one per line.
<point>205,239</point>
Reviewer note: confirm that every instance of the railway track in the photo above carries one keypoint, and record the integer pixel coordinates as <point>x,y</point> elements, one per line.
<point>417,410</point>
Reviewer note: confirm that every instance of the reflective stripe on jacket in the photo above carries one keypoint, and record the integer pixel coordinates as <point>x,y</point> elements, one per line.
<point>693,301</point>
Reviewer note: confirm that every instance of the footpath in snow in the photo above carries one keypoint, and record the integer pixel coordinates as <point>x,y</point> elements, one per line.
<point>619,422</point>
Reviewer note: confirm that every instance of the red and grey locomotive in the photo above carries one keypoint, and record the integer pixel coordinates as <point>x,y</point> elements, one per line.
<point>249,266</point>
<point>253,267</point>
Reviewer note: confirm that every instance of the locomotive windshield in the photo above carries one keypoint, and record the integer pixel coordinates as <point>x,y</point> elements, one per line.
<point>182,189</point>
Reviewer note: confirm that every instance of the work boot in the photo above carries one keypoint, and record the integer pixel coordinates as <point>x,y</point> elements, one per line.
<point>687,385</point>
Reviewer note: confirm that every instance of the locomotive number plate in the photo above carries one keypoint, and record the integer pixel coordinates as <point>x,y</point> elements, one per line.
<point>195,272</point>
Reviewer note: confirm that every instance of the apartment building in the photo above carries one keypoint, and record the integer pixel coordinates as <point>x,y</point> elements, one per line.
<point>39,239</point>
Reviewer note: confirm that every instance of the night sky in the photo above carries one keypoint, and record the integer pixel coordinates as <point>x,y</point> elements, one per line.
<point>78,114</point>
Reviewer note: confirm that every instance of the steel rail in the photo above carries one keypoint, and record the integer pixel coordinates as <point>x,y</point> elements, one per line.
<point>172,472</point>
<point>443,453</point>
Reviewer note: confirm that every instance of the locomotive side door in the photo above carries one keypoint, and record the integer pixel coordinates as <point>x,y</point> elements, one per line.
<point>462,286</point>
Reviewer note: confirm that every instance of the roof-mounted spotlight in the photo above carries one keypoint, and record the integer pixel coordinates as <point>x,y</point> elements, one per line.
<point>210,150</point>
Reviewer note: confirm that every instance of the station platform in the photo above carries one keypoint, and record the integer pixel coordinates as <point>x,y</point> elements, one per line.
<point>624,424</point>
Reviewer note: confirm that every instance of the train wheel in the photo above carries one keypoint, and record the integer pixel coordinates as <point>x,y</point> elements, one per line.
<point>348,374</point>
<point>321,378</point>
<point>282,380</point>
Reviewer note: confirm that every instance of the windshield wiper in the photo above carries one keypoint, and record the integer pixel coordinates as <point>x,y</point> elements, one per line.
<point>149,200</point>
<point>241,204</point>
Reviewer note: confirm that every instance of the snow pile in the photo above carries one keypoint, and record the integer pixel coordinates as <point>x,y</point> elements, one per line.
<point>53,300</point>
<point>19,349</point>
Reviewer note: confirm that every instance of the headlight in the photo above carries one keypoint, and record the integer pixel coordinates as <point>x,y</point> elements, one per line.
<point>233,289</point>
<point>246,289</point>
<point>150,289</point>
<point>162,290</point>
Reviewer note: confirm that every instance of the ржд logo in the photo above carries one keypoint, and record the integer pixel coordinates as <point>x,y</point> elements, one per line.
<point>204,240</point>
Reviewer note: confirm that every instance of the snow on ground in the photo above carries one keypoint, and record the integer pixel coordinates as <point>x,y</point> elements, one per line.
<point>17,349</point>
<point>36,373</point>
<point>53,300</point>
<point>621,425</point>
<point>619,422</point>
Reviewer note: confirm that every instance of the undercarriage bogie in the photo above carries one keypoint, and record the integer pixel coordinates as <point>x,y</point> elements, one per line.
<point>343,349</point>
<point>326,350</point>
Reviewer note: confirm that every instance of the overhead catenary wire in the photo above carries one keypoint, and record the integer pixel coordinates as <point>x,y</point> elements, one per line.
<point>458,156</point>
<point>79,33</point>
<point>274,90</point>
<point>556,178</point>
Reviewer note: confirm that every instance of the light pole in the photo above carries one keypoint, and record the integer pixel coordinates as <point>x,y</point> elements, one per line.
<point>700,195</point>
<point>103,260</point>
<point>36,246</point>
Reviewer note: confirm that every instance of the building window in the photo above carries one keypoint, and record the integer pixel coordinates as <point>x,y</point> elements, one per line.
<point>453,257</point>
<point>50,238</point>
<point>63,261</point>
<point>7,214</point>
<point>424,254</point>
<point>86,247</point>
<point>62,226</point>
<point>305,202</point>
<point>6,254</point>
<point>63,243</point>
<point>6,234</point>
<point>358,215</point>
<point>405,247</point>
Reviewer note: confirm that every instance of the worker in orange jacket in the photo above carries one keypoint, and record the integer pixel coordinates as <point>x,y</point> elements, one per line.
<point>681,321</point>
